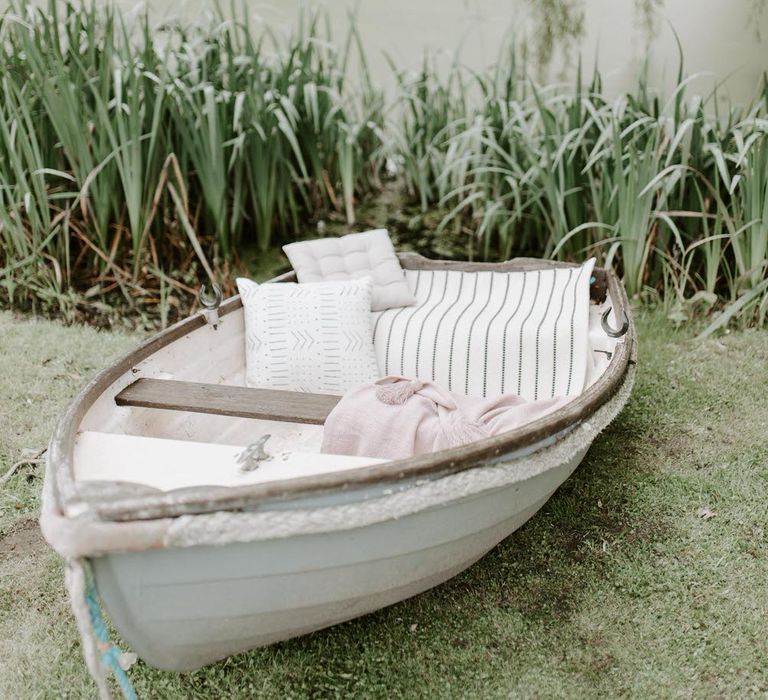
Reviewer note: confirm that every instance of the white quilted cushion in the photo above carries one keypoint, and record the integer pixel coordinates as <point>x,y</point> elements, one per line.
<point>356,255</point>
<point>308,337</point>
<point>490,333</point>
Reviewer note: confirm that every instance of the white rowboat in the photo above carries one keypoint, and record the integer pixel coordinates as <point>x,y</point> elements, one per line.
<point>196,560</point>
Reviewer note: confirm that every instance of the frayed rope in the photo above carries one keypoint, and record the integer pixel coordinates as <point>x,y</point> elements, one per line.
<point>110,654</point>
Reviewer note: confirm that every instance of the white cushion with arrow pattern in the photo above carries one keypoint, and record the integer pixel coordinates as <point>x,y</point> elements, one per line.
<point>314,337</point>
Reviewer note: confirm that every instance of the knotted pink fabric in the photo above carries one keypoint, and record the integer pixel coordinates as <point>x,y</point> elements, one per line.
<point>396,418</point>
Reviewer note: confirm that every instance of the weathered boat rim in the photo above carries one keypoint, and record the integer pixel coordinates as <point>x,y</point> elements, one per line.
<point>120,507</point>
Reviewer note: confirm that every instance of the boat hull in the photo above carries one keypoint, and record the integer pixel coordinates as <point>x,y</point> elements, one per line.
<point>185,607</point>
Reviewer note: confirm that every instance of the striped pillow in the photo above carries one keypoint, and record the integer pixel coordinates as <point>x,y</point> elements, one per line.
<point>491,333</point>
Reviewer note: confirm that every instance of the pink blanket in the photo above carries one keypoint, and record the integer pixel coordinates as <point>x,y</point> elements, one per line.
<point>395,418</point>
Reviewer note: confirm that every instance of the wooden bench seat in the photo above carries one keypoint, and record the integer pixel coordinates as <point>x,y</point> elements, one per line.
<point>219,399</point>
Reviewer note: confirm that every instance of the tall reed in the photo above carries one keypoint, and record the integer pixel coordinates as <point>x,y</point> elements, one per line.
<point>673,193</point>
<point>136,159</point>
<point>103,117</point>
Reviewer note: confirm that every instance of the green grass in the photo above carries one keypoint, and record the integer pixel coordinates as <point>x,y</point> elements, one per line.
<point>620,586</point>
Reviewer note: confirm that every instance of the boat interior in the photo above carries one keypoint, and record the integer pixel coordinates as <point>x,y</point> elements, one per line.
<point>180,415</point>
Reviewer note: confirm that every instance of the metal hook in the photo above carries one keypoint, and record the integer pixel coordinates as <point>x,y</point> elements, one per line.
<point>611,332</point>
<point>253,455</point>
<point>211,305</point>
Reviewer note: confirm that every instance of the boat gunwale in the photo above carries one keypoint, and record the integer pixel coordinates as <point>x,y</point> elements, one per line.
<point>121,507</point>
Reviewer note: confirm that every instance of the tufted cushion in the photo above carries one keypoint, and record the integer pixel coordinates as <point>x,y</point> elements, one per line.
<point>356,255</point>
<point>491,333</point>
<point>308,337</point>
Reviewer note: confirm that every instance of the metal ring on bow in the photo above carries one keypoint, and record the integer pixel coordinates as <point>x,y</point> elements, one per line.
<point>612,332</point>
<point>210,303</point>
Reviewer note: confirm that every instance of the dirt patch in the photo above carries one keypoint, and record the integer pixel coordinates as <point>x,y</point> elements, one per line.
<point>24,540</point>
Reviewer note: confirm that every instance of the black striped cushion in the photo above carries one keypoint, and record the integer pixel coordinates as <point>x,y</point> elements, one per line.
<point>491,333</point>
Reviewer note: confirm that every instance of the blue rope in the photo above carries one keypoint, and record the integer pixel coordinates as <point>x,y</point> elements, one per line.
<point>110,657</point>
